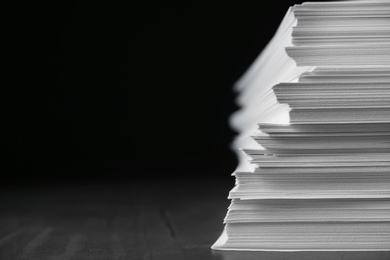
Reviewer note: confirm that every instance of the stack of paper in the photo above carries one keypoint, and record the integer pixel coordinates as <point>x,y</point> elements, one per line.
<point>314,170</point>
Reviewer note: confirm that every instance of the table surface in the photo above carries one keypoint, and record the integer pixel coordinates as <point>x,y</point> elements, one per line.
<point>140,220</point>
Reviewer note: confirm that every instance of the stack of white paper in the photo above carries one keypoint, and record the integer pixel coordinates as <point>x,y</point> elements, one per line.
<point>314,170</point>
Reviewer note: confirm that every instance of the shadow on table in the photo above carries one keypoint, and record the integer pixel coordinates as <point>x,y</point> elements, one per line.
<point>238,255</point>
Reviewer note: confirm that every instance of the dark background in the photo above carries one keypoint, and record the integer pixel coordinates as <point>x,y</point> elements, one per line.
<point>121,92</point>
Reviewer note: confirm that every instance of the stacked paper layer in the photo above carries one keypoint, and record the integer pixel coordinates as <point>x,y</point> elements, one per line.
<point>314,127</point>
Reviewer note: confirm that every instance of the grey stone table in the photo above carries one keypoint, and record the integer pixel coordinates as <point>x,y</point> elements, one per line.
<point>139,220</point>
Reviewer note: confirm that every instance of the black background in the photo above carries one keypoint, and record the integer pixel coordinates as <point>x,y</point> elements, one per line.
<point>123,92</point>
